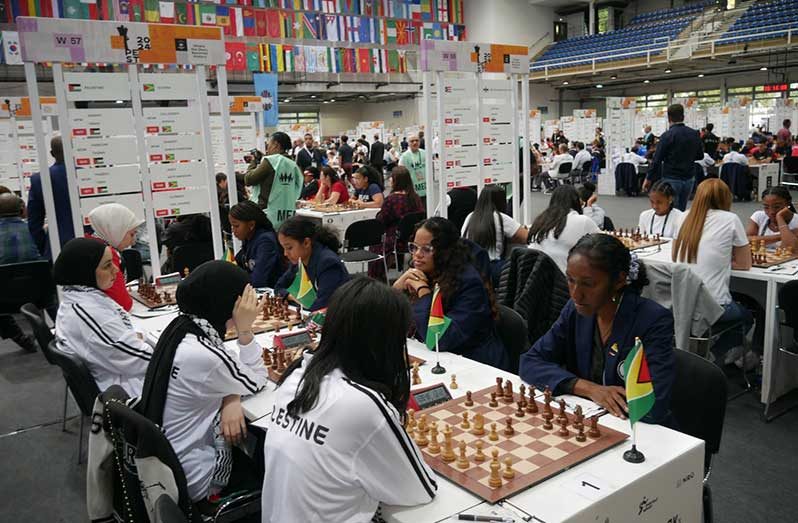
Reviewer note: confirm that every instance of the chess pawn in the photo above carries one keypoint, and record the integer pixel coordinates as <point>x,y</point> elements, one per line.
<point>416,378</point>
<point>563,432</point>
<point>499,387</point>
<point>594,430</point>
<point>547,422</point>
<point>433,447</point>
<point>453,385</point>
<point>495,480</point>
<point>508,427</point>
<point>274,361</point>
<point>267,357</point>
<point>465,425</point>
<point>493,402</point>
<point>522,391</point>
<point>448,454</point>
<point>479,457</point>
<point>479,425</point>
<point>531,404</point>
<point>493,435</point>
<point>508,472</point>
<point>421,437</point>
<point>519,413</point>
<point>580,436</point>
<point>410,422</point>
<point>422,423</point>
<point>462,460</point>
<point>469,402</point>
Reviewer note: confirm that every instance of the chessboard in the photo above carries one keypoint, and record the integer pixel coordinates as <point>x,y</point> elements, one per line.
<point>276,315</point>
<point>496,442</point>
<point>336,207</point>
<point>277,360</point>
<point>763,258</point>
<point>154,296</point>
<point>633,239</point>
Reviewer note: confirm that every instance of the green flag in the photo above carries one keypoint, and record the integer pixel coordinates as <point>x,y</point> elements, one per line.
<point>639,388</point>
<point>302,288</point>
<point>438,321</point>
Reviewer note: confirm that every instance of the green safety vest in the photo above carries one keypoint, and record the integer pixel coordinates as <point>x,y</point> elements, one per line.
<point>416,165</point>
<point>286,188</point>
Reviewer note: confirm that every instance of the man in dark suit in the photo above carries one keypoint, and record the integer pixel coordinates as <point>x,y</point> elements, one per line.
<point>678,149</point>
<point>377,154</point>
<point>308,156</point>
<point>345,152</point>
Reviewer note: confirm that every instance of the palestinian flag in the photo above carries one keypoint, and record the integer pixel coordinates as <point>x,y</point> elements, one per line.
<point>438,322</point>
<point>639,388</point>
<point>302,289</point>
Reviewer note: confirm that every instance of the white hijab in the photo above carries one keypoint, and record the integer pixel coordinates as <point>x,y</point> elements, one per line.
<point>112,221</point>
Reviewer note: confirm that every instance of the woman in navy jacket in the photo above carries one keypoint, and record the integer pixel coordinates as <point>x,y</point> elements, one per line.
<point>317,248</point>
<point>584,351</point>
<point>441,258</point>
<point>259,255</point>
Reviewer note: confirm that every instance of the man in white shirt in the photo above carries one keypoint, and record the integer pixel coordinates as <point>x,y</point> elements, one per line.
<point>559,159</point>
<point>734,156</point>
<point>582,157</point>
<point>705,163</point>
<point>633,158</point>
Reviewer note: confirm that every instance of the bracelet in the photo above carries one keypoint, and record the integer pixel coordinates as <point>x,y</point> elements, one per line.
<point>422,287</point>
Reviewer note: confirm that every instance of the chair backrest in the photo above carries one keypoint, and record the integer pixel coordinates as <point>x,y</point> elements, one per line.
<point>790,165</point>
<point>607,225</point>
<point>41,331</point>
<point>788,302</point>
<point>731,169</point>
<point>26,282</point>
<point>136,437</point>
<point>407,225</point>
<point>167,511</point>
<point>77,376</point>
<point>512,330</point>
<point>191,256</point>
<point>364,233</point>
<point>564,168</point>
<point>698,399</point>
<point>134,267</point>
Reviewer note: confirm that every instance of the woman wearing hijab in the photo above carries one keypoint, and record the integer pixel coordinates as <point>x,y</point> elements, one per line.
<point>115,225</point>
<point>192,374</point>
<point>92,325</point>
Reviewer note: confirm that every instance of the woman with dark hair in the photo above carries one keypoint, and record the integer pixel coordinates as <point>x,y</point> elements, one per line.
<point>331,189</point>
<point>90,324</point>
<point>777,223</point>
<point>441,258</point>
<point>491,228</point>
<point>194,382</point>
<point>561,225</point>
<point>368,193</point>
<point>260,253</point>
<point>584,351</point>
<point>351,393</point>
<point>316,248</point>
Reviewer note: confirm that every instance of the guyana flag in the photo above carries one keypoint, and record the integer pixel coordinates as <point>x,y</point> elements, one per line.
<point>639,389</point>
<point>302,288</point>
<point>438,322</point>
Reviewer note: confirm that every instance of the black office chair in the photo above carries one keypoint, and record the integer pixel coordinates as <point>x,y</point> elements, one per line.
<point>167,511</point>
<point>358,237</point>
<point>135,437</point>
<point>191,255</point>
<point>626,179</point>
<point>133,265</point>
<point>405,231</point>
<point>27,282</point>
<point>738,178</point>
<point>81,383</point>
<point>698,404</point>
<point>563,174</point>
<point>512,330</point>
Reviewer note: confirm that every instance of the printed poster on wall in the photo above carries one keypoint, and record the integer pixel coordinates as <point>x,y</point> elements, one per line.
<point>96,87</point>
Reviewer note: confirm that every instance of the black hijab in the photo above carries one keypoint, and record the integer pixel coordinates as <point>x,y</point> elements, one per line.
<point>210,292</point>
<point>78,261</point>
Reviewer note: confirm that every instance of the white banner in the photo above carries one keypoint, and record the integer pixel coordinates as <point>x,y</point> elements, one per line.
<point>101,122</point>
<point>174,148</point>
<point>173,176</point>
<point>104,151</point>
<point>168,86</point>
<point>175,203</point>
<point>96,87</point>
<point>108,180</point>
<point>167,120</point>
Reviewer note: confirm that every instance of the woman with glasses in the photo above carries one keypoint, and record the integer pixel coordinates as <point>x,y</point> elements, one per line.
<point>368,193</point>
<point>777,223</point>
<point>441,258</point>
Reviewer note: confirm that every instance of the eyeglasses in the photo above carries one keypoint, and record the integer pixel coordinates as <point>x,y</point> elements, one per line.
<point>426,250</point>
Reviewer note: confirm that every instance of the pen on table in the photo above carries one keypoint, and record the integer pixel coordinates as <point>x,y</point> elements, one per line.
<point>474,517</point>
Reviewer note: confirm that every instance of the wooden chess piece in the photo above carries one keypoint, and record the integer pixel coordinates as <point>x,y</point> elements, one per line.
<point>579,417</point>
<point>495,480</point>
<point>493,402</point>
<point>508,392</point>
<point>531,404</point>
<point>561,414</point>
<point>508,473</point>
<point>479,457</point>
<point>469,402</point>
<point>267,357</point>
<point>479,425</point>
<point>433,447</point>
<point>508,427</point>
<point>465,425</point>
<point>274,360</point>
<point>462,460</point>
<point>416,377</point>
<point>519,413</point>
<point>580,436</point>
<point>453,385</point>
<point>522,391</point>
<point>410,420</point>
<point>493,435</point>
<point>594,430</point>
<point>448,454</point>
<point>563,432</point>
<point>499,387</point>
<point>547,422</point>
<point>421,437</point>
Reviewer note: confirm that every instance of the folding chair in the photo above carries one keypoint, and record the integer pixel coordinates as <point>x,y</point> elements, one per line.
<point>358,237</point>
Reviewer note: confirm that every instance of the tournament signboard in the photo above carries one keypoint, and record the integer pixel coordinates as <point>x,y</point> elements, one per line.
<point>93,41</point>
<point>473,57</point>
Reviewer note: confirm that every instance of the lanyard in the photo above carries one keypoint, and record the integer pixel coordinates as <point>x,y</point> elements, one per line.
<point>664,223</point>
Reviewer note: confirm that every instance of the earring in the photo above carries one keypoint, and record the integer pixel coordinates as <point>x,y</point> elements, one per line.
<point>614,299</point>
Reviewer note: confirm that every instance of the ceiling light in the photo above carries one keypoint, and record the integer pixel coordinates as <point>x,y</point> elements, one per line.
<point>646,81</point>
<point>613,77</point>
<point>120,101</point>
<point>565,82</point>
<point>701,75</point>
<point>599,86</point>
<point>332,99</point>
<point>668,70</point>
<point>325,102</point>
<point>763,68</point>
<point>313,96</point>
<point>286,100</point>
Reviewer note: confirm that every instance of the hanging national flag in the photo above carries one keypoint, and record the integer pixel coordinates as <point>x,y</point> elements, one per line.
<point>328,6</point>
<point>265,59</point>
<point>236,56</point>
<point>456,12</point>
<point>639,388</point>
<point>402,32</point>
<point>352,28</point>
<point>207,14</point>
<point>310,23</point>
<point>152,13</point>
<point>181,13</point>
<point>302,288</point>
<point>390,31</point>
<point>11,48</point>
<point>223,19</point>
<point>261,22</point>
<point>274,23</point>
<point>248,21</point>
<point>75,9</point>
<point>426,10</point>
<point>367,7</point>
<point>438,322</point>
<point>365,34</point>
<point>253,58</point>
<point>331,28</point>
<point>167,12</point>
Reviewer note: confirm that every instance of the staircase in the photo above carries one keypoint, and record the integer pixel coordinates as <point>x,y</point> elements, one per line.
<point>709,26</point>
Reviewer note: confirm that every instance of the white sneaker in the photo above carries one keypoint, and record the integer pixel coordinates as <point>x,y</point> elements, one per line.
<point>751,361</point>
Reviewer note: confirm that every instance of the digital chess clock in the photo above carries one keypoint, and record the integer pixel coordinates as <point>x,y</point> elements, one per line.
<point>168,279</point>
<point>427,397</point>
<point>292,339</point>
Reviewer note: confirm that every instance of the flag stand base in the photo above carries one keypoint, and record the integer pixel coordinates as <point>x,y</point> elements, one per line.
<point>633,455</point>
<point>437,369</point>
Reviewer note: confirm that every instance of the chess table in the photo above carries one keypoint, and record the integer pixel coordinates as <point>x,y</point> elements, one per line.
<point>634,240</point>
<point>154,296</point>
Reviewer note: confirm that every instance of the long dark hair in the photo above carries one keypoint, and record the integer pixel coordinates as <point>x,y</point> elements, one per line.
<point>248,211</point>
<point>564,199</point>
<point>300,228</point>
<point>403,182</point>
<point>371,174</point>
<point>451,255</point>
<point>607,254</point>
<point>371,353</point>
<point>482,224</point>
<point>330,173</point>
